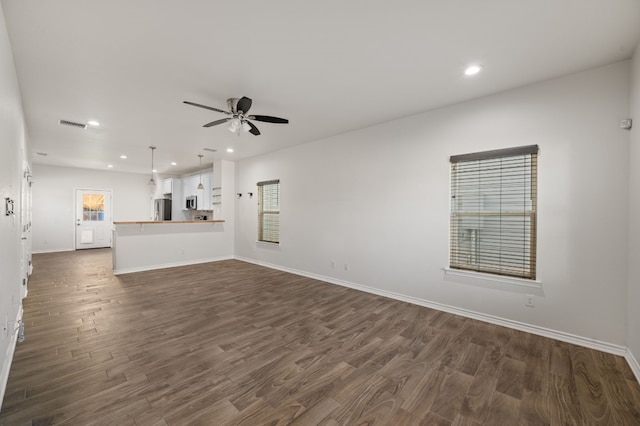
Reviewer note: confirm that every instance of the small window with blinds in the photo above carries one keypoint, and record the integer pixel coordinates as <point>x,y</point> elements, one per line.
<point>269,211</point>
<point>493,212</point>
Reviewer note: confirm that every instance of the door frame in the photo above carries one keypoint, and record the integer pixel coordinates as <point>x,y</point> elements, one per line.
<point>26,266</point>
<point>75,214</point>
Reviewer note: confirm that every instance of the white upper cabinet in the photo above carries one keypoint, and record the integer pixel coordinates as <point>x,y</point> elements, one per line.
<point>190,187</point>
<point>205,194</point>
<point>167,186</point>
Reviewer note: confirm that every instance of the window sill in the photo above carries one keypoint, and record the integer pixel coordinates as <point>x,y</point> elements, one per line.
<point>521,282</point>
<point>267,244</point>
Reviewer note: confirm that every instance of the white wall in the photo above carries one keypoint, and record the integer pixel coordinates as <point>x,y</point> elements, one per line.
<point>54,198</point>
<point>377,199</point>
<point>13,158</point>
<point>634,218</point>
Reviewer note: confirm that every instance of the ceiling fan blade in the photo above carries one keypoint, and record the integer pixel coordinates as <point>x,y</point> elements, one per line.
<point>254,130</point>
<point>269,119</point>
<point>215,123</point>
<point>206,107</point>
<point>244,104</point>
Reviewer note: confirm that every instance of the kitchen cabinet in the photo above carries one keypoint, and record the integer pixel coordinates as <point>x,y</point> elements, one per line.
<point>204,195</point>
<point>167,186</point>
<point>190,187</point>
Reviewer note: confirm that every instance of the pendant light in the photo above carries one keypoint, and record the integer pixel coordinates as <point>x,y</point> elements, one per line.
<point>151,181</point>
<point>200,186</point>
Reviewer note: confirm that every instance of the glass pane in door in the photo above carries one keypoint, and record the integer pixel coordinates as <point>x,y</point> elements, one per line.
<point>93,207</point>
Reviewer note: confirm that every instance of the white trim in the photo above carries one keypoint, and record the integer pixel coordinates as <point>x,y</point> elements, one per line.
<point>52,251</point>
<point>267,244</point>
<point>633,364</point>
<point>169,265</point>
<point>8,358</point>
<point>493,278</point>
<point>533,329</point>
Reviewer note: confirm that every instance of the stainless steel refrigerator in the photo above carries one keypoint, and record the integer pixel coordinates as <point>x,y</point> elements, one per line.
<point>162,209</point>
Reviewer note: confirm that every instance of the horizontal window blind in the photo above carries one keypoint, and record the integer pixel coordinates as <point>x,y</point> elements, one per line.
<point>269,211</point>
<point>493,212</point>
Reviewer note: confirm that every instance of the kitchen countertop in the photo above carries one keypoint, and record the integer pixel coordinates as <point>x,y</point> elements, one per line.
<point>166,222</point>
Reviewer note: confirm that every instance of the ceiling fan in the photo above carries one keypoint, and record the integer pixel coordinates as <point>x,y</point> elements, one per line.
<point>239,118</point>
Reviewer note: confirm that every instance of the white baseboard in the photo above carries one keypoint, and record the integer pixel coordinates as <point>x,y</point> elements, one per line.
<point>8,357</point>
<point>169,265</point>
<point>529,328</point>
<point>633,363</point>
<point>52,251</point>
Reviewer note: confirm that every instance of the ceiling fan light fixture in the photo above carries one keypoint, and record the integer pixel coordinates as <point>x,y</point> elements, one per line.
<point>234,125</point>
<point>239,119</point>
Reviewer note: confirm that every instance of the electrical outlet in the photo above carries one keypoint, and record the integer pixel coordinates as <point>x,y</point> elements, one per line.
<point>332,264</point>
<point>530,300</point>
<point>346,266</point>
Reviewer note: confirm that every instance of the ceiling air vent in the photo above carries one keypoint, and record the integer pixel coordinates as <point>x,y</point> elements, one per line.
<point>72,124</point>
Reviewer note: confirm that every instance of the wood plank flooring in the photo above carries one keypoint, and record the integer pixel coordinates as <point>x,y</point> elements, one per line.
<point>231,343</point>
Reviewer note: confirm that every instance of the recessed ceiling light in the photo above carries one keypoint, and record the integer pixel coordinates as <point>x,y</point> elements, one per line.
<point>154,171</point>
<point>124,157</point>
<point>110,166</point>
<point>472,70</point>
<point>229,149</point>
<point>93,123</point>
<point>173,163</point>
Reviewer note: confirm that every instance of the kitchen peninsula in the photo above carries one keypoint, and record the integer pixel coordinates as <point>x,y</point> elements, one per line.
<point>146,245</point>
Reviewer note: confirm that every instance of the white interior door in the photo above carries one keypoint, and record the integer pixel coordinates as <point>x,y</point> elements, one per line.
<point>93,218</point>
<point>25,223</point>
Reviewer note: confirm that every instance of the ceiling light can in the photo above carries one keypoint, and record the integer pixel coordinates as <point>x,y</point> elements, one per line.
<point>472,70</point>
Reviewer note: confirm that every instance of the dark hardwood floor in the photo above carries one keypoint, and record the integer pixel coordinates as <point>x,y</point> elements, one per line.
<point>231,343</point>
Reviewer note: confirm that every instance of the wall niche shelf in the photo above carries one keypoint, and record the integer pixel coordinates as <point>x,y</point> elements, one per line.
<point>216,195</point>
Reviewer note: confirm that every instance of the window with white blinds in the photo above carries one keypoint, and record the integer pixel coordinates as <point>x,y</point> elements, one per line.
<point>269,211</point>
<point>493,212</point>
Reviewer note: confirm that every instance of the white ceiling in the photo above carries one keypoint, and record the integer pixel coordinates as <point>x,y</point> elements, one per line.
<point>329,66</point>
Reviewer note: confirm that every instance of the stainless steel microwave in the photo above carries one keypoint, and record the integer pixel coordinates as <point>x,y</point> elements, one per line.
<point>191,202</point>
